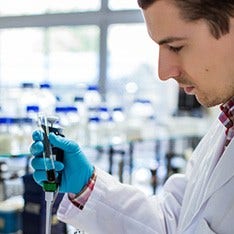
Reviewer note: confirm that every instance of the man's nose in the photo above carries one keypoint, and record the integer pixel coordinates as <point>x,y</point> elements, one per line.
<point>168,65</point>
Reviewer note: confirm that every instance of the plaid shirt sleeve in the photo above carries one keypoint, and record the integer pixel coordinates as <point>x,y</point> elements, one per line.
<point>81,198</point>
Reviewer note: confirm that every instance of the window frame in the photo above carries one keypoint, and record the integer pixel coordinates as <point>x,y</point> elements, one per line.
<point>102,18</point>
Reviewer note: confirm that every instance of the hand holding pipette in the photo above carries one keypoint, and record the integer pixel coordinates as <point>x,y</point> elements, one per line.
<point>75,170</point>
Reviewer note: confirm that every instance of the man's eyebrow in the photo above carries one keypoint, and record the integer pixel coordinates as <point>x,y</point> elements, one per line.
<point>170,40</point>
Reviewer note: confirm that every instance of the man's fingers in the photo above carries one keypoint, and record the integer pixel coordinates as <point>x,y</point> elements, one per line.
<point>39,164</point>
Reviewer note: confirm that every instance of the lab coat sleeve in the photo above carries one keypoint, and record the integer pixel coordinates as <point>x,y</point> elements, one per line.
<point>119,208</point>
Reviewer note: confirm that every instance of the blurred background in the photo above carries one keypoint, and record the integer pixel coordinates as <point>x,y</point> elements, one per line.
<point>92,64</point>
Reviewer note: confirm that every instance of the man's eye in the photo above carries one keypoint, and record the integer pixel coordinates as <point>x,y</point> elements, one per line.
<point>175,49</point>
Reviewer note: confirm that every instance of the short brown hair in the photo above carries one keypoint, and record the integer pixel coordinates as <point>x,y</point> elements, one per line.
<point>216,13</point>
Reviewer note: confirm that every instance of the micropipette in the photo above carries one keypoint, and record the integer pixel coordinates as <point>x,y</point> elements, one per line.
<point>50,186</point>
<point>48,157</point>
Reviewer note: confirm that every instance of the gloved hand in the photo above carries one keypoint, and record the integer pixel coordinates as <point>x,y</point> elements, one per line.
<point>76,169</point>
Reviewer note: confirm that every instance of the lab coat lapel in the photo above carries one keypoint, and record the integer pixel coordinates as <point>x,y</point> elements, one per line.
<point>217,174</point>
<point>223,171</point>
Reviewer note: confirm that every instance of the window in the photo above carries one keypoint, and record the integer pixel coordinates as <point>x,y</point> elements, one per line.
<point>29,7</point>
<point>73,54</point>
<point>22,56</point>
<point>62,55</point>
<point>74,43</point>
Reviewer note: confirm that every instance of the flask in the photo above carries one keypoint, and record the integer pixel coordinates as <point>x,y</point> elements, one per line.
<point>73,122</point>
<point>92,100</point>
<point>5,136</point>
<point>10,134</point>
<point>92,96</point>
<point>32,112</point>
<point>141,120</point>
<point>119,128</point>
<point>80,105</point>
<point>10,101</point>
<point>82,133</point>
<point>28,97</point>
<point>105,124</point>
<point>46,99</point>
<point>68,119</point>
<point>94,131</point>
<point>27,125</point>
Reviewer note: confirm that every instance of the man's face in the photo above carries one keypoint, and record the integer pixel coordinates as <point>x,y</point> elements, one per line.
<point>202,65</point>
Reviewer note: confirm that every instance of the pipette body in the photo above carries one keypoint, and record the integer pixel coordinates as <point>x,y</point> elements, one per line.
<point>50,154</point>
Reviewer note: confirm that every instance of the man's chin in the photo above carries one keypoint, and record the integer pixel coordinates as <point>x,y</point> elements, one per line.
<point>206,102</point>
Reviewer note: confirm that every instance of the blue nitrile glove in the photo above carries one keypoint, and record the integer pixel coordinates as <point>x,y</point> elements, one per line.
<point>76,169</point>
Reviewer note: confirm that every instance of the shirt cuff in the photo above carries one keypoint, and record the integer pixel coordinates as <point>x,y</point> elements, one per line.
<point>82,197</point>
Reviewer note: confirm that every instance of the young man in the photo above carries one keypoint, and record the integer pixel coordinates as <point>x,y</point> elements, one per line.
<point>197,50</point>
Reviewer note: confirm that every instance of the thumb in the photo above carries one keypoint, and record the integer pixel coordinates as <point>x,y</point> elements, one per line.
<point>63,143</point>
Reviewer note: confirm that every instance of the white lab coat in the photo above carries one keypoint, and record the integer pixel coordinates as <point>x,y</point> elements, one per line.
<point>201,201</point>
